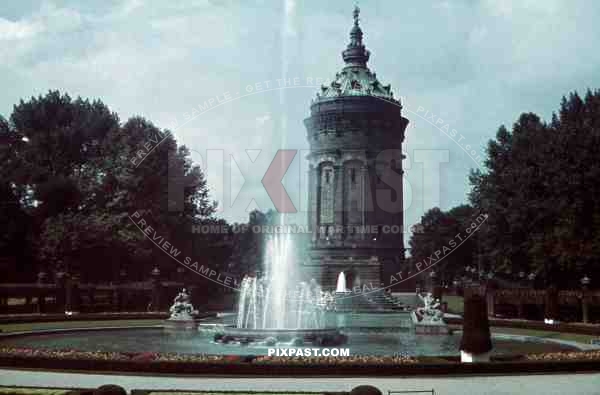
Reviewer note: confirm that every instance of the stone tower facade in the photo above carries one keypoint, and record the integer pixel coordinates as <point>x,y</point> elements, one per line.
<point>355,131</point>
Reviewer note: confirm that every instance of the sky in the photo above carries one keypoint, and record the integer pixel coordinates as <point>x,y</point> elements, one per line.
<point>463,65</point>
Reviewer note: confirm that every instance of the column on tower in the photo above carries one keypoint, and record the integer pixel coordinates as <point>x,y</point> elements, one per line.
<point>364,185</point>
<point>313,199</point>
<point>339,200</point>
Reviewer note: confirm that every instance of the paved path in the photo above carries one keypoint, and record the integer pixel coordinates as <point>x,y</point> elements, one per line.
<point>557,384</point>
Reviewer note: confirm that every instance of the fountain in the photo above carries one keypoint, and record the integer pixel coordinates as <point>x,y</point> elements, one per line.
<point>273,302</point>
<point>260,307</point>
<point>182,312</point>
<point>341,283</point>
<point>429,319</point>
<point>273,307</point>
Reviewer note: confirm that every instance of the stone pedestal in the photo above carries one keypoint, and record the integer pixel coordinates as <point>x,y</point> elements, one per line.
<point>466,357</point>
<point>429,320</point>
<point>424,329</point>
<point>181,324</point>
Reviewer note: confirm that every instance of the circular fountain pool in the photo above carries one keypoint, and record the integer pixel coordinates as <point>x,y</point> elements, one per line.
<point>402,341</point>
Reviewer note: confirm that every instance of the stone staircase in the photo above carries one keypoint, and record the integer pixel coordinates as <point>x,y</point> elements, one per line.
<point>369,302</point>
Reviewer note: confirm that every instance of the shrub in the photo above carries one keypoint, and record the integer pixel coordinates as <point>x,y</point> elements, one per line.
<point>551,305</point>
<point>476,337</point>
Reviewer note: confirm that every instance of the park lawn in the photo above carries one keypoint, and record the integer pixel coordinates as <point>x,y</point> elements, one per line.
<point>35,326</point>
<point>232,393</point>
<point>576,337</point>
<point>32,391</point>
<point>455,303</point>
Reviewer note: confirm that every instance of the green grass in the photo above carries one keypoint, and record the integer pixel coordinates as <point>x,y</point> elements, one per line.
<point>455,303</point>
<point>544,334</point>
<point>232,393</point>
<point>32,391</point>
<point>34,326</point>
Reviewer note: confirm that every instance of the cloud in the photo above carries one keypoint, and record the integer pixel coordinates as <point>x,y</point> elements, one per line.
<point>19,30</point>
<point>474,63</point>
<point>48,19</point>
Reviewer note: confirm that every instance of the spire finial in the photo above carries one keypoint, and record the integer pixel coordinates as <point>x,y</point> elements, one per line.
<point>356,54</point>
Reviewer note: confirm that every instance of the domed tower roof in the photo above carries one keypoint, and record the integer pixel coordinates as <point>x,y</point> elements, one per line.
<point>356,79</point>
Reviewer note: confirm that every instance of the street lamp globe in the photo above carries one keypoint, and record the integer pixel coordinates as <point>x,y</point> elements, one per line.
<point>585,281</point>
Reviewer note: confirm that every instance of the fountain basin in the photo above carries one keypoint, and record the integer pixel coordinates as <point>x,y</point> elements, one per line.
<point>316,337</point>
<point>181,324</point>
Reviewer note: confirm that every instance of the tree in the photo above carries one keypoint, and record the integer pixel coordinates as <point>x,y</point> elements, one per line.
<point>248,246</point>
<point>437,229</point>
<point>16,224</point>
<point>73,177</point>
<point>539,188</point>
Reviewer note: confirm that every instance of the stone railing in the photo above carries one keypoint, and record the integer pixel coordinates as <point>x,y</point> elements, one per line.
<point>70,295</point>
<point>580,301</point>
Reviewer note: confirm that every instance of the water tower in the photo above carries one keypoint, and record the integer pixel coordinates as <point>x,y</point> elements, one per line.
<point>355,131</point>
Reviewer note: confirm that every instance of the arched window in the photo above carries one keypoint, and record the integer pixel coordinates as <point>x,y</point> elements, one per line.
<point>353,185</point>
<point>327,198</point>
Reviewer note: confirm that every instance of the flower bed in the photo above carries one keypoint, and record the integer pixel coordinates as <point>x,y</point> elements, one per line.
<point>269,360</point>
<point>62,354</point>
<point>565,356</point>
<point>356,360</point>
<point>199,364</point>
<point>201,358</point>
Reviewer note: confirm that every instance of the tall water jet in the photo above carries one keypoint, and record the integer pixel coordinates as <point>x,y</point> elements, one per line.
<point>341,283</point>
<point>273,301</point>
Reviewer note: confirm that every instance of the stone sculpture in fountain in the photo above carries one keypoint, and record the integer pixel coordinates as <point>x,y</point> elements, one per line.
<point>429,319</point>
<point>182,308</point>
<point>182,311</point>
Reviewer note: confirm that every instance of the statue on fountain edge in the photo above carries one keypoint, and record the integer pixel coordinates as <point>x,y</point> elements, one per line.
<point>182,308</point>
<point>429,319</point>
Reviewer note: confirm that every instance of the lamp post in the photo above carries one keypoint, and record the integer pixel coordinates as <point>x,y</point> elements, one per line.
<point>456,284</point>
<point>155,304</point>
<point>75,292</point>
<point>41,295</point>
<point>61,288</point>
<point>436,290</point>
<point>181,274</point>
<point>469,273</point>
<point>585,282</point>
<point>490,278</point>
<point>122,275</point>
<point>531,278</point>
<point>521,277</point>
<point>41,277</point>
<point>119,290</point>
<point>433,276</point>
